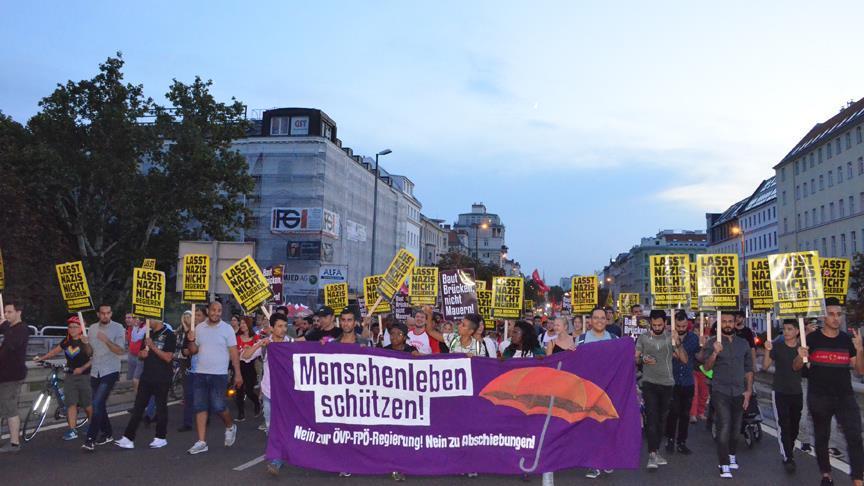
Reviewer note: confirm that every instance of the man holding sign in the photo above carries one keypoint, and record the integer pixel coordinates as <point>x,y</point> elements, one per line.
<point>831,353</point>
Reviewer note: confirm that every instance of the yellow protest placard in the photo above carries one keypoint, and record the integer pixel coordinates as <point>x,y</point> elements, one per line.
<point>73,286</point>
<point>336,296</point>
<point>423,287</point>
<point>248,284</point>
<point>796,284</point>
<point>835,277</point>
<point>626,300</point>
<point>149,264</point>
<point>484,307</point>
<point>583,294</point>
<point>717,281</point>
<point>507,295</point>
<point>148,293</point>
<point>670,280</point>
<point>196,277</point>
<point>370,295</point>
<point>528,305</point>
<point>759,277</point>
<point>480,284</point>
<point>694,287</point>
<point>396,274</point>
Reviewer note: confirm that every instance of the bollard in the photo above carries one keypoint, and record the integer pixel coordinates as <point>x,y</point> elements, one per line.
<point>548,479</point>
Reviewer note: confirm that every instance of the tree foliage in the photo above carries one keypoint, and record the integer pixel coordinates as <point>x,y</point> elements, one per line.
<point>117,186</point>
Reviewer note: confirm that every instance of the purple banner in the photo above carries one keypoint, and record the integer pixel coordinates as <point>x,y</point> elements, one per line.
<point>346,408</point>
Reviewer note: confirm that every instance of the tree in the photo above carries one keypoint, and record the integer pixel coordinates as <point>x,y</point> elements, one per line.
<point>121,190</point>
<point>855,306</point>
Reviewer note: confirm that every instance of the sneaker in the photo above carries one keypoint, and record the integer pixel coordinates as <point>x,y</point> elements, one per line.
<point>241,417</point>
<point>273,468</point>
<point>89,445</point>
<point>733,463</point>
<point>106,439</point>
<point>198,448</point>
<point>262,427</point>
<point>158,443</point>
<point>10,448</point>
<point>185,428</point>
<point>472,475</point>
<point>70,434</point>
<point>608,471</point>
<point>124,443</point>
<point>834,452</point>
<point>660,460</point>
<point>789,465</point>
<point>806,447</point>
<point>725,472</point>
<point>670,446</point>
<point>652,462</point>
<point>592,474</point>
<point>230,435</point>
<point>826,481</point>
<point>397,476</point>
<point>683,449</point>
<point>344,475</point>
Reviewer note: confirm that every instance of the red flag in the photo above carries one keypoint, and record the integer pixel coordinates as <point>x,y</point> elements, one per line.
<point>539,281</point>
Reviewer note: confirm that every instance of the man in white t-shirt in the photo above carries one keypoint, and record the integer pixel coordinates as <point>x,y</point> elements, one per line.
<point>215,345</point>
<point>419,336</point>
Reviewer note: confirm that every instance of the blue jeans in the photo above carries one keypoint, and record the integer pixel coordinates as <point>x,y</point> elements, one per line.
<point>100,423</point>
<point>728,415</point>
<point>266,411</point>
<point>188,399</point>
<point>210,392</point>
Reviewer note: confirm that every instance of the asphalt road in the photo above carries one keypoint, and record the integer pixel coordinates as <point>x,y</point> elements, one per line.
<point>49,460</point>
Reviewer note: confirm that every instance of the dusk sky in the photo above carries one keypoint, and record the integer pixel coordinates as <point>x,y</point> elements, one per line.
<point>585,127</point>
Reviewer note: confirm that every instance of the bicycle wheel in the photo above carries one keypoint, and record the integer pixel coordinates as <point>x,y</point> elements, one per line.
<point>36,417</point>
<point>175,391</point>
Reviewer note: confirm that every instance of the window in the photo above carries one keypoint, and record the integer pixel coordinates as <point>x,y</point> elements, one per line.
<point>851,205</point>
<point>812,186</point>
<point>848,140</point>
<point>842,208</point>
<point>797,192</point>
<point>805,189</point>
<point>833,246</point>
<point>797,168</point>
<point>820,155</point>
<point>858,136</point>
<point>807,219</point>
<point>821,182</point>
<point>822,214</point>
<point>839,175</point>
<point>824,246</point>
<point>829,152</point>
<point>785,225</point>
<point>860,165</point>
<point>837,143</point>
<point>842,244</point>
<point>280,125</point>
<point>811,162</point>
<point>854,237</point>
<point>831,213</point>
<point>830,178</point>
<point>814,217</point>
<point>803,165</point>
<point>783,173</point>
<point>798,221</point>
<point>848,170</point>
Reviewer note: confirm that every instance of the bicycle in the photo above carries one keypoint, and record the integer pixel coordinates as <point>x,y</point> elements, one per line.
<point>175,391</point>
<point>39,411</point>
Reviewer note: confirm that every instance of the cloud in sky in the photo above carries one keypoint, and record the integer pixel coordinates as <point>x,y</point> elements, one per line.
<point>658,112</point>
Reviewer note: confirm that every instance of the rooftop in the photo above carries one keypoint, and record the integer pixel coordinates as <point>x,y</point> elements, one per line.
<point>853,113</point>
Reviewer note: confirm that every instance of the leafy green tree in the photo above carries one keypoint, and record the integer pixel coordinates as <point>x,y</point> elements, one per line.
<point>125,179</point>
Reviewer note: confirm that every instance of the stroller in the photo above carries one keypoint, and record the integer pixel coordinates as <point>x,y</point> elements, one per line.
<point>751,424</point>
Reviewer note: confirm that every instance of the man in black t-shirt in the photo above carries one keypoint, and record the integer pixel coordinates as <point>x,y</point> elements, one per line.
<point>157,354</point>
<point>787,355</point>
<point>327,329</point>
<point>744,332</point>
<point>831,353</point>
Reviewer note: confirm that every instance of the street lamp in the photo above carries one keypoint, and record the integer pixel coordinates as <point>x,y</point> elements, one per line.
<point>737,231</point>
<point>375,207</point>
<point>477,227</point>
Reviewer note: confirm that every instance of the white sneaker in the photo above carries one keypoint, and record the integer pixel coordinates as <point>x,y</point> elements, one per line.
<point>124,443</point>
<point>733,463</point>
<point>158,443</point>
<point>725,472</point>
<point>262,427</point>
<point>198,448</point>
<point>660,460</point>
<point>230,435</point>
<point>592,474</point>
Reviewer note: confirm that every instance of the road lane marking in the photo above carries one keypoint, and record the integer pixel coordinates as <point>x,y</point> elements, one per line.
<point>835,463</point>
<point>251,463</point>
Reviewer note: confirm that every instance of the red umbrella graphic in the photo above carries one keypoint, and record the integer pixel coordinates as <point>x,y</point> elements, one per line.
<point>540,390</point>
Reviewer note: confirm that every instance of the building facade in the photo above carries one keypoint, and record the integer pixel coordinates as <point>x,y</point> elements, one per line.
<point>484,234</point>
<point>630,271</point>
<point>820,187</point>
<point>313,202</point>
<point>433,241</point>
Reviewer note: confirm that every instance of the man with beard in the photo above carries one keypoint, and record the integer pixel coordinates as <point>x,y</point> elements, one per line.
<point>678,422</point>
<point>731,388</point>
<point>654,351</point>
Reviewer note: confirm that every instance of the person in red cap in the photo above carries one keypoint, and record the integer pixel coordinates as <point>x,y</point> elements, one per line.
<point>76,385</point>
